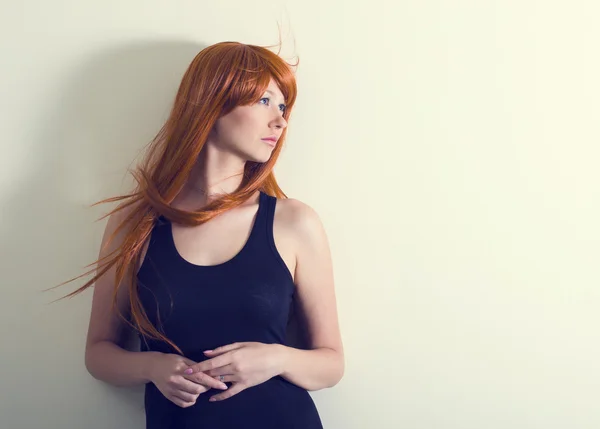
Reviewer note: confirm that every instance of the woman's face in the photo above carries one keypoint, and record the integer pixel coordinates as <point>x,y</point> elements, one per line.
<point>243,131</point>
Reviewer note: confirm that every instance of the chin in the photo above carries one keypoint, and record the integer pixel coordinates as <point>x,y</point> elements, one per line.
<point>259,157</point>
<point>259,160</point>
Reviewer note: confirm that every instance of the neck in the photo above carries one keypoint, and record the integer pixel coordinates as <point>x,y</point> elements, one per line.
<point>215,174</point>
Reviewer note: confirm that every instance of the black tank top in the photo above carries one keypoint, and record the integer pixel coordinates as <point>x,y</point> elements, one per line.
<point>246,298</point>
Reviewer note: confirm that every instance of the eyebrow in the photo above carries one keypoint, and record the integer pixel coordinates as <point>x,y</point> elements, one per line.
<point>272,93</point>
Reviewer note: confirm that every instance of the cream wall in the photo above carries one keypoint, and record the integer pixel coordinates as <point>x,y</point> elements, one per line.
<point>451,148</point>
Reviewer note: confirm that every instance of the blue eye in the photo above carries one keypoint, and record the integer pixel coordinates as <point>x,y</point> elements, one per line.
<point>281,106</point>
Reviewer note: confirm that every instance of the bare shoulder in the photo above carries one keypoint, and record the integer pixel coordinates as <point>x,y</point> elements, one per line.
<point>298,216</point>
<point>298,231</point>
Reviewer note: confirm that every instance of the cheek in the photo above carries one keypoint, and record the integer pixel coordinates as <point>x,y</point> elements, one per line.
<point>247,120</point>
<point>244,127</point>
<point>238,123</point>
<point>239,127</point>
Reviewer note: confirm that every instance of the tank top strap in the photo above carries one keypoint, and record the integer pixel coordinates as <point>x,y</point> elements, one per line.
<point>263,209</point>
<point>269,213</point>
<point>267,239</point>
<point>258,241</point>
<point>159,246</point>
<point>260,226</point>
<point>267,242</point>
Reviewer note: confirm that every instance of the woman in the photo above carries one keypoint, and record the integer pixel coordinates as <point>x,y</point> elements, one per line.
<point>206,257</point>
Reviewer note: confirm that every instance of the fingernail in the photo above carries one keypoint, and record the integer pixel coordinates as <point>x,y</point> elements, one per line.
<point>188,371</point>
<point>212,399</point>
<point>207,351</point>
<point>223,386</point>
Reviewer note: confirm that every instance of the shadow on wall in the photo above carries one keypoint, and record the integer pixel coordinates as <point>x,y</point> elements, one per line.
<point>105,112</point>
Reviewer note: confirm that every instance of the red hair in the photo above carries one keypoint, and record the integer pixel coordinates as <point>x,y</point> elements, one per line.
<point>221,77</point>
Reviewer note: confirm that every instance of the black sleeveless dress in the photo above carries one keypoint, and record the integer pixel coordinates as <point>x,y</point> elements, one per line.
<point>200,308</point>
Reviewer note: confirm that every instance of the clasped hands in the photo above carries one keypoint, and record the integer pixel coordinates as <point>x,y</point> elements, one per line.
<point>244,364</point>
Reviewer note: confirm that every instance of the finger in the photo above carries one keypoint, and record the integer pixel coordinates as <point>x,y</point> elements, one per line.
<point>183,404</point>
<point>234,390</point>
<point>192,387</point>
<point>204,379</point>
<point>229,378</point>
<point>185,396</point>
<point>223,349</point>
<point>227,369</point>
<point>213,363</point>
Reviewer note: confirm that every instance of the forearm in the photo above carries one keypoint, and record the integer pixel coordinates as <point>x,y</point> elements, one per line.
<point>312,369</point>
<point>108,362</point>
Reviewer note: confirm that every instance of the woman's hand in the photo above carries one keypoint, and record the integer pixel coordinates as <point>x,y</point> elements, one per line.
<point>243,364</point>
<point>166,374</point>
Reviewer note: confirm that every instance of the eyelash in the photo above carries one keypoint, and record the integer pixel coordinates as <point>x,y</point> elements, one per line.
<point>267,98</point>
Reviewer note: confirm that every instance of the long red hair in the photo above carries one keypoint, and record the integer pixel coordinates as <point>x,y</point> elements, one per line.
<point>221,77</point>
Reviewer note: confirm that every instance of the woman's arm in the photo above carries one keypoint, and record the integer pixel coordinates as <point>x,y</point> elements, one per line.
<point>108,362</point>
<point>323,365</point>
<point>105,359</point>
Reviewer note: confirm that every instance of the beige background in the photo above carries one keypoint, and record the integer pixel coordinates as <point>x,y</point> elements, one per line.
<point>450,147</point>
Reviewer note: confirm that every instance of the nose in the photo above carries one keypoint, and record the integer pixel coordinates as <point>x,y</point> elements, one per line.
<point>282,123</point>
<point>279,121</point>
